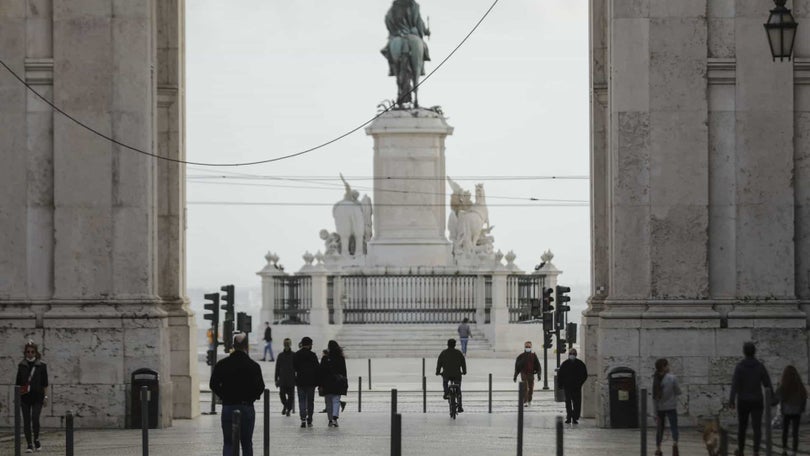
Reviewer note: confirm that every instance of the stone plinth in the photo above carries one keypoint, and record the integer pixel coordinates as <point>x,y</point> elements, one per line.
<point>409,189</point>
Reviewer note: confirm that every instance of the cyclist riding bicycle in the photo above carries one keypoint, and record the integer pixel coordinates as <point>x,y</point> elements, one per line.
<point>451,366</point>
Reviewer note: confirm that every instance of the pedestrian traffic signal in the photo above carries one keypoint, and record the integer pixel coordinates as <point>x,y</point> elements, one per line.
<point>227,335</point>
<point>571,333</point>
<point>548,339</point>
<point>536,308</point>
<point>211,357</point>
<point>227,299</point>
<point>561,306</point>
<point>547,300</point>
<point>244,323</point>
<point>213,306</point>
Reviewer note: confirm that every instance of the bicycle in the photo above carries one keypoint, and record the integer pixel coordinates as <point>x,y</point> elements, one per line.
<point>453,397</point>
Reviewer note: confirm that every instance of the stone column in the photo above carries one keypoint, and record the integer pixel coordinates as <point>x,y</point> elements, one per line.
<point>499,313</point>
<point>268,274</point>
<point>319,313</point>
<point>409,189</point>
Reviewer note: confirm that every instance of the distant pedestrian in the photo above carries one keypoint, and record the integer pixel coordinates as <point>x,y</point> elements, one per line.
<point>527,365</point>
<point>665,404</point>
<point>285,378</point>
<point>268,342</point>
<point>209,335</point>
<point>32,378</point>
<point>750,376</point>
<point>464,334</point>
<point>451,365</point>
<point>237,380</point>
<point>570,378</point>
<point>792,396</point>
<point>307,378</point>
<point>334,381</point>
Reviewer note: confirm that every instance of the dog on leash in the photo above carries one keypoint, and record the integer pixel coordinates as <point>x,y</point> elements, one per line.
<point>711,437</point>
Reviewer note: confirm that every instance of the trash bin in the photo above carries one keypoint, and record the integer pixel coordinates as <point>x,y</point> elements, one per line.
<point>150,379</point>
<point>623,398</point>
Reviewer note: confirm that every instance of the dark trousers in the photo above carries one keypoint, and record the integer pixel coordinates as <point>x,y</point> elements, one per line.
<point>791,421</point>
<point>528,379</point>
<point>287,396</point>
<point>30,413</point>
<point>744,410</point>
<point>306,402</point>
<point>446,379</point>
<point>663,415</point>
<point>573,403</point>
<point>247,421</point>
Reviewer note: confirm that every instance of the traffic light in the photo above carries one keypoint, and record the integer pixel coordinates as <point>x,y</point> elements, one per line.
<point>547,300</point>
<point>571,333</point>
<point>227,299</point>
<point>548,322</point>
<point>537,308</point>
<point>213,306</point>
<point>244,323</point>
<point>561,306</point>
<point>227,335</point>
<point>211,357</point>
<point>548,339</point>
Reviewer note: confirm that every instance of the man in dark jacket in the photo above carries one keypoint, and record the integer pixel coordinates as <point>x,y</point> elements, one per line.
<point>746,390</point>
<point>307,378</point>
<point>570,378</point>
<point>268,342</point>
<point>237,380</point>
<point>451,365</point>
<point>527,365</point>
<point>285,378</point>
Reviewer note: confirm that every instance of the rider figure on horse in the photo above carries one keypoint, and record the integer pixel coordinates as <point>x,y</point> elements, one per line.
<point>404,18</point>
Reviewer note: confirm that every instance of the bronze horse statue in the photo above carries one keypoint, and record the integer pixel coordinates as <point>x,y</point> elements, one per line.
<point>406,50</point>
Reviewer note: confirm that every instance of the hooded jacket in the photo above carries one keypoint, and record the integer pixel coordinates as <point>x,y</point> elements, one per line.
<point>749,378</point>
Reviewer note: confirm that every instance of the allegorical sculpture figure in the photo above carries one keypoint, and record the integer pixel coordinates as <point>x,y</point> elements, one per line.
<point>406,50</point>
<point>468,222</point>
<point>351,218</point>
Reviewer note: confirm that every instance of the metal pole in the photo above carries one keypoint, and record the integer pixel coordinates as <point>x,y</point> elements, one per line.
<point>214,396</point>
<point>393,422</point>
<point>266,422</point>
<point>521,394</point>
<point>423,367</point>
<point>396,435</point>
<point>557,334</point>
<point>559,436</point>
<point>489,408</point>
<point>723,442</point>
<point>236,431</point>
<point>545,365</point>
<point>17,438</point>
<point>643,421</point>
<point>145,419</point>
<point>424,394</point>
<point>359,394</point>
<point>768,436</point>
<point>369,374</point>
<point>69,434</point>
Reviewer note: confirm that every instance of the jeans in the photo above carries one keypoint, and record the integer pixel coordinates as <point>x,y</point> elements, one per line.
<point>744,409</point>
<point>287,396</point>
<point>672,415</point>
<point>268,347</point>
<point>332,406</point>
<point>790,421</point>
<point>247,421</point>
<point>30,413</point>
<point>306,402</point>
<point>464,345</point>
<point>573,403</point>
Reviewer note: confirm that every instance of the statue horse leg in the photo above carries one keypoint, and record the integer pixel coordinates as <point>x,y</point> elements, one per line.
<point>416,58</point>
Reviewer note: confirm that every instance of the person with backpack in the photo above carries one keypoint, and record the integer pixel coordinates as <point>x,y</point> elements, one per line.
<point>665,404</point>
<point>792,397</point>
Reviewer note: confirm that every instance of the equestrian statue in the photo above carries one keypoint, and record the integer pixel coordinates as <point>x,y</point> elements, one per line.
<point>406,50</point>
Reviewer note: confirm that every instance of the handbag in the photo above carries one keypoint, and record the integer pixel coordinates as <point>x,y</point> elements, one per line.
<point>25,389</point>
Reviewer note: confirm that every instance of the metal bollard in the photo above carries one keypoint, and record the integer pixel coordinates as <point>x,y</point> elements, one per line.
<point>424,394</point>
<point>423,367</point>
<point>396,435</point>
<point>768,429</point>
<point>393,421</point>
<point>359,394</point>
<point>490,393</point>
<point>266,422</point>
<point>69,433</point>
<point>521,395</point>
<point>369,374</point>
<point>17,419</point>
<point>559,436</point>
<point>642,421</point>
<point>723,442</point>
<point>236,432</point>
<point>145,420</point>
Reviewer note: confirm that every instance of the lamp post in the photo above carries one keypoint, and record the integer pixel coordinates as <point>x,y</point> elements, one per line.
<point>781,31</point>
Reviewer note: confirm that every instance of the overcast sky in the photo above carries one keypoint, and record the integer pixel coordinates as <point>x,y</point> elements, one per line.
<point>266,78</point>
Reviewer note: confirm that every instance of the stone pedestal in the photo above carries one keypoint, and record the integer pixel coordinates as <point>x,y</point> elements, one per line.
<point>409,189</point>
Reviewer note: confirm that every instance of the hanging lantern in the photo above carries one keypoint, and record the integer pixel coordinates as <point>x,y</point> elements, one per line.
<point>781,31</point>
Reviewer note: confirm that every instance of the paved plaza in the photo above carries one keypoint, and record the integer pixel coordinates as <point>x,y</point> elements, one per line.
<point>475,432</point>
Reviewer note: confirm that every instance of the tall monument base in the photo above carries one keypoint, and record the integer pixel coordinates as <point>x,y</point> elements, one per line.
<point>405,252</point>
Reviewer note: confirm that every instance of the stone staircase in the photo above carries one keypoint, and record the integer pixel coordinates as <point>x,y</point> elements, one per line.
<point>407,340</point>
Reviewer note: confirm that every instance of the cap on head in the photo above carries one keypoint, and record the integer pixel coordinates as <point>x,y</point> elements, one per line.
<point>451,343</point>
<point>305,342</point>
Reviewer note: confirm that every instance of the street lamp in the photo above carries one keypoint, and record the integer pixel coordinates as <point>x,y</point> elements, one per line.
<point>781,31</point>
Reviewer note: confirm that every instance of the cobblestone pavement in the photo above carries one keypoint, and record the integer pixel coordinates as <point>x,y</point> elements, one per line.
<point>475,432</point>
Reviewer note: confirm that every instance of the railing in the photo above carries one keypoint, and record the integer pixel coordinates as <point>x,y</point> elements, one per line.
<point>293,299</point>
<point>487,299</point>
<point>330,298</point>
<point>408,299</point>
<point>520,291</point>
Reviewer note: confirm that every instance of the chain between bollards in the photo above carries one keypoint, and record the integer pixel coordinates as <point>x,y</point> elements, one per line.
<point>521,395</point>
<point>266,422</point>
<point>69,433</point>
<point>559,436</point>
<point>642,421</point>
<point>236,431</point>
<point>17,438</point>
<point>145,420</point>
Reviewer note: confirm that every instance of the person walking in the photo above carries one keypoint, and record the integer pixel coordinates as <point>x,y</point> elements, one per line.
<point>750,376</point>
<point>464,334</point>
<point>665,404</point>
<point>238,381</point>
<point>268,342</point>
<point>527,365</point>
<point>570,377</point>
<point>334,381</point>
<point>285,378</point>
<point>792,396</point>
<point>307,378</point>
<point>451,365</point>
<point>32,378</point>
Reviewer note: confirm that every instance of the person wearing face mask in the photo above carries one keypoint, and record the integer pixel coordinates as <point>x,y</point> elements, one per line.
<point>527,365</point>
<point>32,378</point>
<point>570,377</point>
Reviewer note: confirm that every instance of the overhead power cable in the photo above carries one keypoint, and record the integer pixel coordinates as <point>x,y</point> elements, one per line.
<point>250,163</point>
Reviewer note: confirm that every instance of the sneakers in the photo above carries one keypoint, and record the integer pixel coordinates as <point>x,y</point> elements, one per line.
<point>333,423</point>
<point>336,424</point>
<point>309,423</point>
<point>303,424</point>
<point>568,421</point>
<point>30,449</point>
<point>288,413</point>
<point>37,446</point>
<point>284,411</point>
